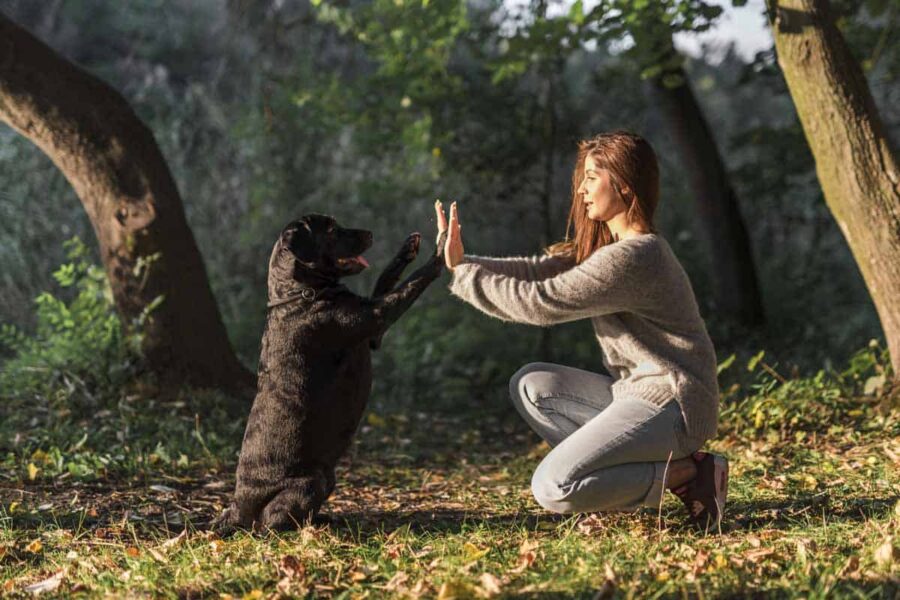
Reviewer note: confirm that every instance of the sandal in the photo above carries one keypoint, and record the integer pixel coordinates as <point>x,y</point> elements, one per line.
<point>704,496</point>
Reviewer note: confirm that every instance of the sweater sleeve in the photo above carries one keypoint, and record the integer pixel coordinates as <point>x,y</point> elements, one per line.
<point>526,268</point>
<point>612,279</point>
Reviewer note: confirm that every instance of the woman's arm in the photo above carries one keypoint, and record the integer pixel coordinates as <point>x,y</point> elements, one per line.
<point>526,268</point>
<point>614,278</point>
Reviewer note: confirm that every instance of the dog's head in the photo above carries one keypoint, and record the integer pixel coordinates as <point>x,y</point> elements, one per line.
<point>316,246</point>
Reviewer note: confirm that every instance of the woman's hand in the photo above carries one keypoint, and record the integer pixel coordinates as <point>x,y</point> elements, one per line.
<point>453,251</point>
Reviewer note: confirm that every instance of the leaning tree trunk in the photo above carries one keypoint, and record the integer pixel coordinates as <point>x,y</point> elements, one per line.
<point>113,163</point>
<point>854,163</point>
<point>736,289</point>
<point>735,285</point>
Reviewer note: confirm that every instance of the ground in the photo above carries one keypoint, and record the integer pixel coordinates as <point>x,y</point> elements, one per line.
<point>436,503</point>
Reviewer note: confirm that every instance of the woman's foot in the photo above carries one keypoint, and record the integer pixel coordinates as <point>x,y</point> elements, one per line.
<point>705,495</point>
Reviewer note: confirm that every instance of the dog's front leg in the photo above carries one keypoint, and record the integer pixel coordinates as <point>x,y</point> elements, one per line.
<point>372,316</point>
<point>392,273</point>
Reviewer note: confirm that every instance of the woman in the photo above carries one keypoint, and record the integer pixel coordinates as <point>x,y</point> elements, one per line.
<point>617,442</point>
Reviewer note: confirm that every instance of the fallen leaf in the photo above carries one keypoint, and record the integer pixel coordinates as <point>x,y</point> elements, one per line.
<point>454,590</point>
<point>292,567</point>
<point>32,471</point>
<point>851,566</point>
<point>34,547</point>
<point>755,556</point>
<point>163,488</point>
<point>608,589</point>
<point>473,552</point>
<point>48,585</point>
<point>172,542</point>
<point>886,553</point>
<point>397,581</point>
<point>490,584</point>
<point>132,552</point>
<point>527,556</point>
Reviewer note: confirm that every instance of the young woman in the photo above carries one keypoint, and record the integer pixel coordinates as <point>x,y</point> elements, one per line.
<point>617,442</point>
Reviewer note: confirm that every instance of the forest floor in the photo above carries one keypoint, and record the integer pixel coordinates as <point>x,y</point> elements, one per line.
<point>435,504</point>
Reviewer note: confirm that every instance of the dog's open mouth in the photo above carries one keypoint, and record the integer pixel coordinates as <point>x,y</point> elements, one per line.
<point>352,262</point>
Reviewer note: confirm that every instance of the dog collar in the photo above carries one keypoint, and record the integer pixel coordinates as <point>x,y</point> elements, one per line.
<point>307,294</point>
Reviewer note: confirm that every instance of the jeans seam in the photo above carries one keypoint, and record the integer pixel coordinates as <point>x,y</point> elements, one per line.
<point>560,396</point>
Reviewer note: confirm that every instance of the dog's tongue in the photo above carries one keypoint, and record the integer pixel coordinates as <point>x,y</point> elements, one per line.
<point>362,261</point>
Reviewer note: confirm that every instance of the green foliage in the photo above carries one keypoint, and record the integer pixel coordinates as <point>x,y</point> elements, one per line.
<point>78,342</point>
<point>774,406</point>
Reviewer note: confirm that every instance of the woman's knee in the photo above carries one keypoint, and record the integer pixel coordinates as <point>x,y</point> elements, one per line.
<point>551,493</point>
<point>524,382</point>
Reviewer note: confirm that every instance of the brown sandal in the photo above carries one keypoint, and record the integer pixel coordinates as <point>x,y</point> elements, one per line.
<point>705,495</point>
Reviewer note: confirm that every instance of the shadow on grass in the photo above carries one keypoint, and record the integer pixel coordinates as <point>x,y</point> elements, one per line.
<point>803,509</point>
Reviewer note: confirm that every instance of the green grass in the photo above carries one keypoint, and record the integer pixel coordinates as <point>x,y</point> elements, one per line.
<point>114,495</point>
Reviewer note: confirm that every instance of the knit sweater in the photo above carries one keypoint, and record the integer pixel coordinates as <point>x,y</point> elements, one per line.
<point>639,299</point>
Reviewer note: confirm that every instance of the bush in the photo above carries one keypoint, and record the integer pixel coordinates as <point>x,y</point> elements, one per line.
<point>78,344</point>
<point>860,397</point>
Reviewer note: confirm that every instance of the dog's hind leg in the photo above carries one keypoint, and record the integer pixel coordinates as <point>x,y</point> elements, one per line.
<point>391,275</point>
<point>298,503</point>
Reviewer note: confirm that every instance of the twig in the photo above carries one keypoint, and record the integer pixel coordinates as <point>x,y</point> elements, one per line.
<point>662,492</point>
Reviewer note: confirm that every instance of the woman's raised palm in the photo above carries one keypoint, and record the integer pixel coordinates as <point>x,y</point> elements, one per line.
<point>453,250</point>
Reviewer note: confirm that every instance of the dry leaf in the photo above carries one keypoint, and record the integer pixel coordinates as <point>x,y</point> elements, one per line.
<point>886,553</point>
<point>755,556</point>
<point>34,547</point>
<point>172,542</point>
<point>357,576</point>
<point>608,589</point>
<point>851,566</point>
<point>490,585</point>
<point>700,561</point>
<point>527,556</point>
<point>454,590</point>
<point>48,585</point>
<point>158,555</point>
<point>292,567</point>
<point>397,581</point>
<point>132,552</point>
<point>473,552</point>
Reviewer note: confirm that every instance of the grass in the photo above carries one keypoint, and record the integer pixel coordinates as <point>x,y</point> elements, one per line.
<point>109,493</point>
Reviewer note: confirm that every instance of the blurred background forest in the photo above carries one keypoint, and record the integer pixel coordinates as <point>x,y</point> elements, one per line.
<point>265,111</point>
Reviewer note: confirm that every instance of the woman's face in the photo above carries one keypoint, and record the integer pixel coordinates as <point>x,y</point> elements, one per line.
<point>601,200</point>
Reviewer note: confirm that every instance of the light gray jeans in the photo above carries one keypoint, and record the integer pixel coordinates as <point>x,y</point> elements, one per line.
<point>607,453</point>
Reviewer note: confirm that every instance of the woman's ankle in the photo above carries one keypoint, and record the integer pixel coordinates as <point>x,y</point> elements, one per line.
<point>680,472</point>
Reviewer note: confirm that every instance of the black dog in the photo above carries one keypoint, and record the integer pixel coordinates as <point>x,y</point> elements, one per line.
<point>315,371</point>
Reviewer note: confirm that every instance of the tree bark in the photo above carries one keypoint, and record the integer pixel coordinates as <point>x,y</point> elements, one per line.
<point>854,163</point>
<point>113,162</point>
<point>735,285</point>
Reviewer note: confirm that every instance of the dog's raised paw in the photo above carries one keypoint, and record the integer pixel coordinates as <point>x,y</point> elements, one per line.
<point>411,246</point>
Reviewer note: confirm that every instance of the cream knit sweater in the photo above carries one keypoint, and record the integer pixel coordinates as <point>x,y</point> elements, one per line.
<point>639,299</point>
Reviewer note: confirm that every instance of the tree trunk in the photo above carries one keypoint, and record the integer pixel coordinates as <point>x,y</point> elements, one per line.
<point>735,285</point>
<point>112,161</point>
<point>854,163</point>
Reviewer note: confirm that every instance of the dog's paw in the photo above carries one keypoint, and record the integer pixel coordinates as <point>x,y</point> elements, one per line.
<point>410,248</point>
<point>441,242</point>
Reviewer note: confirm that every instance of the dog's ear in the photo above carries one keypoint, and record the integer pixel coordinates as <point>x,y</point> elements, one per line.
<point>300,241</point>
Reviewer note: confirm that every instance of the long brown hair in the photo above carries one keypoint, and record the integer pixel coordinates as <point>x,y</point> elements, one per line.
<point>631,163</point>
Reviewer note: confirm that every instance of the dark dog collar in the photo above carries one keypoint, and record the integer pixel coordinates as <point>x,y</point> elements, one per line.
<point>306,294</point>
